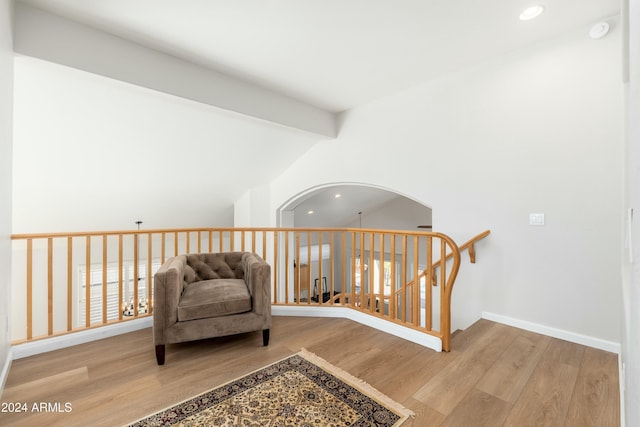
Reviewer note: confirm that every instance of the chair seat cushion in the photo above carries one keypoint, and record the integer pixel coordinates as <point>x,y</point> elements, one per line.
<point>214,298</point>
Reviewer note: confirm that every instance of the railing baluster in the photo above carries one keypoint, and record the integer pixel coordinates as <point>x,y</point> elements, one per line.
<point>401,301</point>
<point>50,286</point>
<point>354,303</point>
<point>297,275</point>
<point>275,261</point>
<point>69,283</point>
<point>163,247</point>
<point>29,289</point>
<point>427,285</point>
<point>104,278</point>
<point>149,281</point>
<point>372,302</point>
<point>443,285</point>
<point>121,300</point>
<point>264,244</point>
<point>308,267</point>
<point>286,267</point>
<point>381,274</point>
<point>87,302</point>
<point>416,284</point>
<point>320,288</point>
<point>403,278</point>
<point>394,295</point>
<point>136,273</point>
<point>331,268</point>
<point>361,272</point>
<point>343,268</point>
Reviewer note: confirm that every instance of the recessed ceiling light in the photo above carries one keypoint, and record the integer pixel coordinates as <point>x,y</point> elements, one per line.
<point>310,212</point>
<point>531,12</point>
<point>337,196</point>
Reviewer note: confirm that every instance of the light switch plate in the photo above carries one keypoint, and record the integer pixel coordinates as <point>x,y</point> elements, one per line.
<point>536,219</point>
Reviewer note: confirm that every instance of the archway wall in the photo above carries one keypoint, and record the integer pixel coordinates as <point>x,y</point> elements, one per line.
<point>358,205</point>
<point>538,130</point>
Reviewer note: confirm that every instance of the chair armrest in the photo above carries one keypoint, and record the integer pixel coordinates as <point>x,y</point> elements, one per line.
<point>168,283</point>
<point>257,276</point>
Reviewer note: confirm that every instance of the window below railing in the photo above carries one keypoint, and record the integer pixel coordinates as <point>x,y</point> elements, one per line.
<point>116,302</point>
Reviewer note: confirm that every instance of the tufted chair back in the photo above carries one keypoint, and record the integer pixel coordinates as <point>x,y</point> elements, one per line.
<point>227,265</point>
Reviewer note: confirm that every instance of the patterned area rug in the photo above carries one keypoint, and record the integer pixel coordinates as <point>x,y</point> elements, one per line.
<point>301,390</point>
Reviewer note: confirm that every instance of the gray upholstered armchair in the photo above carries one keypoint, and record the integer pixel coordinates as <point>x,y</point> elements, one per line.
<point>210,295</point>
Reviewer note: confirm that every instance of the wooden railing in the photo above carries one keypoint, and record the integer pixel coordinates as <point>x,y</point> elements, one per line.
<point>69,282</point>
<point>466,246</point>
<point>429,275</point>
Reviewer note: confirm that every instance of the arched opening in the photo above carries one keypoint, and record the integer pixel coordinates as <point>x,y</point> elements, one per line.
<point>365,267</point>
<point>354,205</point>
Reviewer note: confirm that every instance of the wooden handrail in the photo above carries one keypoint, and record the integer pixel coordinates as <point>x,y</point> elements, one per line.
<point>24,236</point>
<point>63,255</point>
<point>468,245</point>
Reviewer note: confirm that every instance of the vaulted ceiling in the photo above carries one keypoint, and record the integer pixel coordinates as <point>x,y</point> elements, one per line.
<point>333,54</point>
<point>326,56</point>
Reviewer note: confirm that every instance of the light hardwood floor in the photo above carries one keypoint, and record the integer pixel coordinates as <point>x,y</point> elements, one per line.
<point>495,375</point>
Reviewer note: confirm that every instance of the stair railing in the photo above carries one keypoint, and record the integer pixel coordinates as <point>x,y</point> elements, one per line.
<point>67,282</point>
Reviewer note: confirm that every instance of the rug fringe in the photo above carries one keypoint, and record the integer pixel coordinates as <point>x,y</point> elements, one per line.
<point>344,376</point>
<point>358,383</point>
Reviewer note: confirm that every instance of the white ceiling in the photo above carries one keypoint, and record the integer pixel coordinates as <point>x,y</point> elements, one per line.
<point>333,54</point>
<point>331,211</point>
<point>359,206</point>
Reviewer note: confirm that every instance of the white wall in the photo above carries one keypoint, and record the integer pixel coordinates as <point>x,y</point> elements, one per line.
<point>92,153</point>
<point>400,213</point>
<point>539,130</point>
<point>252,208</point>
<point>6,126</point>
<point>631,288</point>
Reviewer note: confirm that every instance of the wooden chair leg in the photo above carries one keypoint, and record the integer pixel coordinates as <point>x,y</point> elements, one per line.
<point>265,337</point>
<point>160,354</point>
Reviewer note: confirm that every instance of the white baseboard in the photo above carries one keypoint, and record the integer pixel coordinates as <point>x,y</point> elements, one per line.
<point>55,343</point>
<point>5,370</point>
<point>41,346</point>
<point>81,337</point>
<point>589,341</point>
<point>408,334</point>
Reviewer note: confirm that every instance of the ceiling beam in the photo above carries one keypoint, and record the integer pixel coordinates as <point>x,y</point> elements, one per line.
<point>60,40</point>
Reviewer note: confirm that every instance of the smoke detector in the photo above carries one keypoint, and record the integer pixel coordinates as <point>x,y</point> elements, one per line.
<point>599,30</point>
